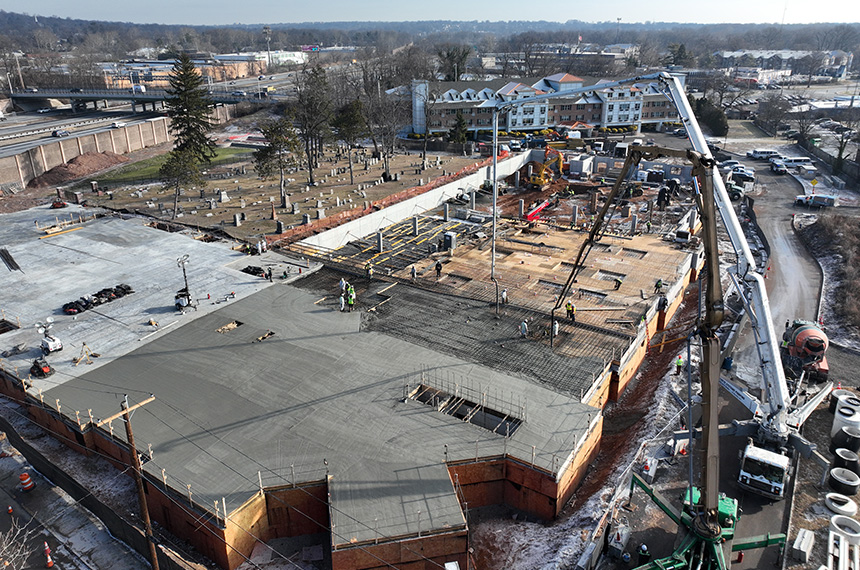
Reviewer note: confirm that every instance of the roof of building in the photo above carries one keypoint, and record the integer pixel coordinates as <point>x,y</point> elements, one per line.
<point>317,388</point>
<point>564,78</point>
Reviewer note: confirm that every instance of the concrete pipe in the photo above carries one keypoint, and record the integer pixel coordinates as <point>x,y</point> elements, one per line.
<point>847,527</point>
<point>847,438</point>
<point>845,416</point>
<point>847,459</point>
<point>840,504</point>
<point>844,481</point>
<point>838,394</point>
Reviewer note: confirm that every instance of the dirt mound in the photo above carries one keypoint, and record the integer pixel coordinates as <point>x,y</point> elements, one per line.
<point>78,167</point>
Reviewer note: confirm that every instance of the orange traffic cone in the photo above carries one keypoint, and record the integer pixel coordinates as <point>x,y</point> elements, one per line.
<point>10,509</point>
<point>26,482</point>
<point>49,563</point>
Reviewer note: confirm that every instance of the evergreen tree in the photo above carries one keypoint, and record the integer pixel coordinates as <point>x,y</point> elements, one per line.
<point>280,152</point>
<point>188,108</point>
<point>459,132</point>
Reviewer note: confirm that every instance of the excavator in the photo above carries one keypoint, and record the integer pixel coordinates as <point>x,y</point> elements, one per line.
<point>544,174</point>
<point>709,517</point>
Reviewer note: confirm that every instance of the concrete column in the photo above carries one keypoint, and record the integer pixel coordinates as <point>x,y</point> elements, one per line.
<point>523,208</point>
<point>380,243</point>
<point>594,202</point>
<point>633,219</point>
<point>517,179</point>
<point>415,225</point>
<point>574,216</point>
<point>472,199</point>
<point>446,211</point>
<point>529,170</point>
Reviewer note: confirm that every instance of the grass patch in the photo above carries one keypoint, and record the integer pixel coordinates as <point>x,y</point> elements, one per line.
<point>148,169</point>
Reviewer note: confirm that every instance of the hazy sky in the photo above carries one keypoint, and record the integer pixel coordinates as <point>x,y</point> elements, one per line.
<point>290,11</point>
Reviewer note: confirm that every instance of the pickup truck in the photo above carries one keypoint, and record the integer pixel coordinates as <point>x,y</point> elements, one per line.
<point>815,200</point>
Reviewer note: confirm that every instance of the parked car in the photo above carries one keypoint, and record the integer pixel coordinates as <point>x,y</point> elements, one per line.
<point>778,168</point>
<point>239,94</point>
<point>76,90</point>
<point>682,132</point>
<point>743,168</point>
<point>790,133</point>
<point>60,133</point>
<point>728,164</point>
<point>117,125</point>
<point>31,90</point>
<point>45,110</point>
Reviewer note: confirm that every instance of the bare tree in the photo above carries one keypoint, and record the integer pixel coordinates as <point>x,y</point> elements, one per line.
<point>850,125</point>
<point>772,109</point>
<point>313,113</point>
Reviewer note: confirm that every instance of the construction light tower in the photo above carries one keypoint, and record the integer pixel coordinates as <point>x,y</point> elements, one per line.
<point>267,31</point>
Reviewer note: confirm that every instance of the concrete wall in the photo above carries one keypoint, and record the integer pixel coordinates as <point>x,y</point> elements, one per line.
<point>406,554</point>
<point>371,223</point>
<point>24,167</point>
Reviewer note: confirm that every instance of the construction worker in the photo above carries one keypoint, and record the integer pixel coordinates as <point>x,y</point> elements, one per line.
<point>618,283</point>
<point>438,270</point>
<point>648,226</point>
<point>368,270</point>
<point>342,302</point>
<point>644,555</point>
<point>342,285</point>
<point>679,363</point>
<point>413,273</point>
<point>269,274</point>
<point>555,327</point>
<point>524,328</point>
<point>571,311</point>
<point>350,298</point>
<point>504,296</point>
<point>658,285</point>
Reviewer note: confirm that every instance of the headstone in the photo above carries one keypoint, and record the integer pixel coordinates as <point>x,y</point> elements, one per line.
<point>279,227</point>
<point>243,216</point>
<point>237,220</point>
<point>223,196</point>
<point>320,213</point>
<point>242,203</point>
<point>306,219</point>
<point>337,201</point>
<point>295,209</point>
<point>202,193</point>
<point>319,203</point>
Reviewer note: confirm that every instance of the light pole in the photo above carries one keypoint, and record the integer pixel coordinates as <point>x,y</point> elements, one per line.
<point>495,201</point>
<point>267,31</point>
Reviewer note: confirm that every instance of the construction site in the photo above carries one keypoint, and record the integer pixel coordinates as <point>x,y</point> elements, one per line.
<point>265,410</point>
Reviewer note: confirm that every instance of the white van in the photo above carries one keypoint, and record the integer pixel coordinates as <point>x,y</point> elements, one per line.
<point>795,161</point>
<point>762,153</point>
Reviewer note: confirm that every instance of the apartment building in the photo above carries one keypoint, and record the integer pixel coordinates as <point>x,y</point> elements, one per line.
<point>435,105</point>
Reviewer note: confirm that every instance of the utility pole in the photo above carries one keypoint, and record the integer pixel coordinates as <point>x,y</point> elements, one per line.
<point>141,495</point>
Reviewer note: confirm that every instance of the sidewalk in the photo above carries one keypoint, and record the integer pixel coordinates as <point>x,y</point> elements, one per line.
<point>78,540</point>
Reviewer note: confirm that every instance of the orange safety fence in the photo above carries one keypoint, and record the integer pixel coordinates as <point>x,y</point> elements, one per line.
<point>318,226</point>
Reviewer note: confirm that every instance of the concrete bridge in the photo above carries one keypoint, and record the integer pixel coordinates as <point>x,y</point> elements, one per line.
<point>80,98</point>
